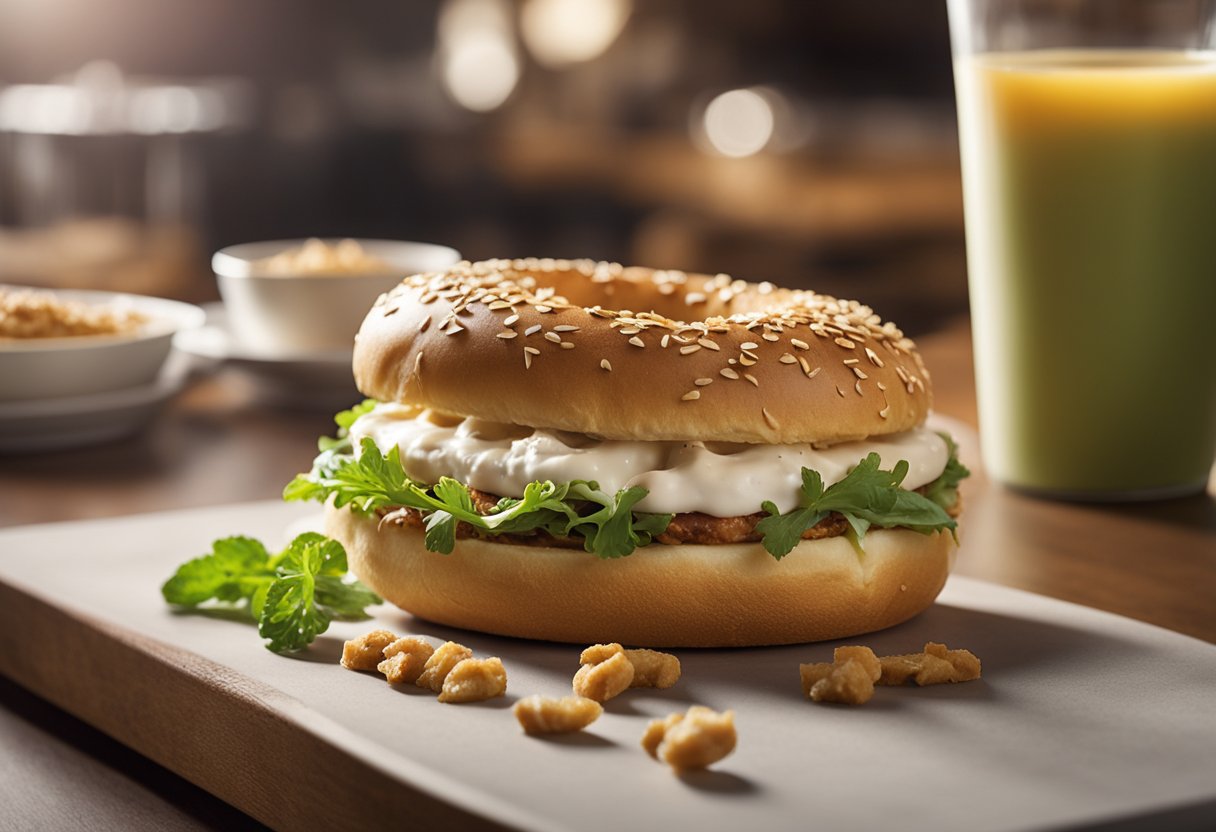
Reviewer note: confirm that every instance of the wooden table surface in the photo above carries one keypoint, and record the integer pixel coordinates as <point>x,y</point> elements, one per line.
<point>219,443</point>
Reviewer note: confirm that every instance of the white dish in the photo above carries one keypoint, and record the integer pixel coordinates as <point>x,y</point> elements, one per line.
<point>318,378</point>
<point>37,369</point>
<point>77,421</point>
<point>1081,717</point>
<point>287,314</point>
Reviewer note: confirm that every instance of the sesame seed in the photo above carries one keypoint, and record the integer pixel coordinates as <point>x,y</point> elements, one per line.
<point>531,350</point>
<point>543,309</point>
<point>567,345</point>
<point>727,372</point>
<point>839,391</point>
<point>885,411</point>
<point>768,417</point>
<point>858,372</point>
<point>752,379</point>
<point>786,358</point>
<point>768,336</point>
<point>508,334</point>
<point>426,322</point>
<point>747,360</point>
<point>418,364</point>
<point>690,349</point>
<point>848,362</point>
<point>873,356</point>
<point>731,361</point>
<point>857,387</point>
<point>606,364</point>
<point>633,330</point>
<point>806,367</point>
<point>637,342</point>
<point>453,329</point>
<point>702,382</point>
<point>691,396</point>
<point>565,328</point>
<point>392,311</point>
<point>665,340</point>
<point>802,345</point>
<point>882,386</point>
<point>708,344</point>
<point>510,320</point>
<point>695,297</point>
<point>500,304</point>
<point>554,337</point>
<point>532,330</point>
<point>527,360</point>
<point>749,345</point>
<point>814,372</point>
<point>846,343</point>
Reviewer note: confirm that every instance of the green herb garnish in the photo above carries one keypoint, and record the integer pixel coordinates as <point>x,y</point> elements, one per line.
<point>292,596</point>
<point>867,496</point>
<point>373,481</point>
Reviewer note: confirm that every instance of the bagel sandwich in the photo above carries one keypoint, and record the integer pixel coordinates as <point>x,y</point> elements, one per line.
<point>582,452</point>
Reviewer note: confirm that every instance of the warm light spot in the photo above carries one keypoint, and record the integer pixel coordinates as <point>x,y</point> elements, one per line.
<point>738,123</point>
<point>477,59</point>
<point>563,32</point>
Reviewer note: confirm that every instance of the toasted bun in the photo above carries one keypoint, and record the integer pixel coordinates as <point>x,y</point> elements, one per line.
<point>660,596</point>
<point>546,344</point>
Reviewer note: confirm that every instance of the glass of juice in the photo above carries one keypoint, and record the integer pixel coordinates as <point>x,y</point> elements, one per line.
<point>1088,138</point>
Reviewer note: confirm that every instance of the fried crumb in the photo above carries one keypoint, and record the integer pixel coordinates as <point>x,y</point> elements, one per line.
<point>366,651</point>
<point>474,680</point>
<point>653,669</point>
<point>606,679</point>
<point>693,740</point>
<point>440,664</point>
<point>405,659</point>
<point>934,666</point>
<point>543,715</point>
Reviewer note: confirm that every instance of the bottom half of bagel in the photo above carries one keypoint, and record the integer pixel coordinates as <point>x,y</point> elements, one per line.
<point>732,595</point>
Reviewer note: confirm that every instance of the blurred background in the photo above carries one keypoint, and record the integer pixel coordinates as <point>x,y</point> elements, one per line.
<point>807,143</point>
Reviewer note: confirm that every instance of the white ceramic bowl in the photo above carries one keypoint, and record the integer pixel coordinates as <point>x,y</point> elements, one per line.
<point>290,315</point>
<point>47,368</point>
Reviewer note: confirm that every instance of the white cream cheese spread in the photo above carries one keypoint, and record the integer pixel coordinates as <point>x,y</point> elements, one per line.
<point>717,478</point>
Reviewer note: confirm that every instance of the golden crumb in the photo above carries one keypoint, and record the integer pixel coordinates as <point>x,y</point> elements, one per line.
<point>652,669</point>
<point>366,651</point>
<point>543,715</point>
<point>474,680</point>
<point>316,257</point>
<point>604,680</point>
<point>934,666</point>
<point>404,660</point>
<point>854,671</point>
<point>31,314</point>
<point>440,664</point>
<point>693,740</point>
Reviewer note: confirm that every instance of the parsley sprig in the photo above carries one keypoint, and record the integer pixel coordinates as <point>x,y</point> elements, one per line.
<point>868,496</point>
<point>293,596</point>
<point>374,481</point>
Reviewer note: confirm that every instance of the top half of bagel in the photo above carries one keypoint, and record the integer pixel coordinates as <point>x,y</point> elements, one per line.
<point>632,353</point>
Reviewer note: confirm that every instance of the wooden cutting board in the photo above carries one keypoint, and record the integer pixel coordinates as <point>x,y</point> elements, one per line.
<point>1081,718</point>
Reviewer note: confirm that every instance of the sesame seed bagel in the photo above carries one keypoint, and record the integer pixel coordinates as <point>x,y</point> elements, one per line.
<point>733,595</point>
<point>634,353</point>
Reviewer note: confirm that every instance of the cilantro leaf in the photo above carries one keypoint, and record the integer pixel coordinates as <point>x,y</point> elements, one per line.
<point>292,596</point>
<point>868,496</point>
<point>232,571</point>
<point>344,420</point>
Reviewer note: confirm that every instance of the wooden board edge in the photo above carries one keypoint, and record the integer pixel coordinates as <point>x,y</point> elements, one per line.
<point>205,723</point>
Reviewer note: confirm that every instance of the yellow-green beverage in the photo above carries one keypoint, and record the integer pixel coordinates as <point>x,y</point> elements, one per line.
<point>1090,183</point>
